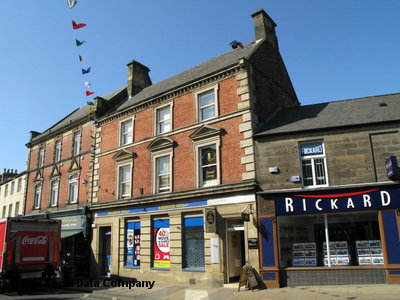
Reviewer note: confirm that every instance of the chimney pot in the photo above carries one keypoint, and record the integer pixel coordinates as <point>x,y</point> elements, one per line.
<point>264,27</point>
<point>138,77</point>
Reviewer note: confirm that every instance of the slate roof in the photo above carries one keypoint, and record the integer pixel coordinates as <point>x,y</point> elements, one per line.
<point>345,113</point>
<point>74,115</point>
<point>211,66</point>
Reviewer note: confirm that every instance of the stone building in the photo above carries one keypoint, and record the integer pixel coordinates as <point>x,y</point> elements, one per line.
<point>174,167</point>
<point>12,192</point>
<point>58,180</point>
<point>330,197</point>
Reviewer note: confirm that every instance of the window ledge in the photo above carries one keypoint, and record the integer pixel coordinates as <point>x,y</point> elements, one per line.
<point>194,269</point>
<point>132,267</point>
<point>158,268</point>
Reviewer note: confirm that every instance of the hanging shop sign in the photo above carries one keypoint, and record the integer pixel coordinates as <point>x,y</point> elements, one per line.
<point>392,168</point>
<point>210,223</point>
<point>370,199</point>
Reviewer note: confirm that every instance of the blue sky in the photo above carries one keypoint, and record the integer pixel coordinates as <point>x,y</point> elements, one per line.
<point>333,50</point>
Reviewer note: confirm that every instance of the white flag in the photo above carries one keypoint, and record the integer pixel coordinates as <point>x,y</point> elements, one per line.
<point>87,84</point>
<point>72,3</point>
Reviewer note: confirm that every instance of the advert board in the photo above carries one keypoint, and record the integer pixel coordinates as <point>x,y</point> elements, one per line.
<point>247,278</point>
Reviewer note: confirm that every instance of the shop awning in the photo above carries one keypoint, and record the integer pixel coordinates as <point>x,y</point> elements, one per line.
<point>68,233</point>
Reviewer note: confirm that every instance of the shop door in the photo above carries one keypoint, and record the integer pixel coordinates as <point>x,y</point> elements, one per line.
<point>105,244</point>
<point>235,249</point>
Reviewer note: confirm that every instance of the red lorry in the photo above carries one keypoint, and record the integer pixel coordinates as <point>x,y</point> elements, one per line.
<point>29,249</point>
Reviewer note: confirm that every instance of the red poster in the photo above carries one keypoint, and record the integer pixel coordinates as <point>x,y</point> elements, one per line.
<point>161,248</point>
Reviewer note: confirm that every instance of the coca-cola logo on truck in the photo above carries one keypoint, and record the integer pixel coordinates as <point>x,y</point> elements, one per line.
<point>39,240</point>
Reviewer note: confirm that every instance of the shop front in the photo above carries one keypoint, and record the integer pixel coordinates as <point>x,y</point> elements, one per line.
<point>342,236</point>
<point>200,242</point>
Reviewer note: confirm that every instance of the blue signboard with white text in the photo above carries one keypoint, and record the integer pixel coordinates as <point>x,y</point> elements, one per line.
<point>338,201</point>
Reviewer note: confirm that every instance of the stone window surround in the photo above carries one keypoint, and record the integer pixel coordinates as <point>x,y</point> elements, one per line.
<point>156,109</point>
<point>196,94</point>
<point>118,166</point>
<point>215,140</point>
<point>121,122</point>
<point>157,154</point>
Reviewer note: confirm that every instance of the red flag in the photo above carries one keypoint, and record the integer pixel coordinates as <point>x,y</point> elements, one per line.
<point>77,26</point>
<point>89,93</point>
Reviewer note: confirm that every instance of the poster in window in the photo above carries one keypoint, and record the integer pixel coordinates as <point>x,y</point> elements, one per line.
<point>129,240</point>
<point>161,245</point>
<point>136,246</point>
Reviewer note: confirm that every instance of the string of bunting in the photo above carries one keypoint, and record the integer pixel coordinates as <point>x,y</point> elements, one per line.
<point>87,85</point>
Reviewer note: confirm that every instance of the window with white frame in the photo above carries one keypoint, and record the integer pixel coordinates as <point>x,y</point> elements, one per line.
<point>12,187</point>
<point>41,157</point>
<point>313,164</point>
<point>76,148</point>
<point>16,212</point>
<point>19,185</point>
<point>73,190</point>
<point>207,105</point>
<point>208,165</point>
<point>124,181</point>
<point>163,119</point>
<point>54,192</point>
<point>6,191</point>
<point>126,132</point>
<point>38,196</point>
<point>4,211</point>
<point>57,151</point>
<point>10,207</point>
<point>163,174</point>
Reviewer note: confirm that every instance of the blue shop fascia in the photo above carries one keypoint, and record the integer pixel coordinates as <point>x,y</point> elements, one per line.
<point>344,235</point>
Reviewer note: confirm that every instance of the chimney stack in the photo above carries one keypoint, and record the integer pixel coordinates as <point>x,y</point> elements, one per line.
<point>138,77</point>
<point>264,27</point>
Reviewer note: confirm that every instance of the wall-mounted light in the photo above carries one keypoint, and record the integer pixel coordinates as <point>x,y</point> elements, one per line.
<point>245,215</point>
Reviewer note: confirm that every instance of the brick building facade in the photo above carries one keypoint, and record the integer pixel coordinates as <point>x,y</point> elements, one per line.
<point>174,167</point>
<point>326,197</point>
<point>58,176</point>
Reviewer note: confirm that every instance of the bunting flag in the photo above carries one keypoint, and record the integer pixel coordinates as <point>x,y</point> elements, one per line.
<point>90,103</point>
<point>76,26</point>
<point>86,71</point>
<point>79,43</point>
<point>91,111</point>
<point>71,3</point>
<point>92,119</point>
<point>81,58</point>
<point>89,93</point>
<point>87,84</point>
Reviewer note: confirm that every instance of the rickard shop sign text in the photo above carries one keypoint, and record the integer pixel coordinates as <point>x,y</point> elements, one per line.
<point>371,199</point>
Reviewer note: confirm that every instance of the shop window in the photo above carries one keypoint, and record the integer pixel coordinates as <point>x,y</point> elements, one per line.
<point>54,192</point>
<point>124,181</point>
<point>73,190</point>
<point>38,196</point>
<point>313,164</point>
<point>57,151</point>
<point>132,250</point>
<point>193,243</point>
<point>76,146</point>
<point>126,132</point>
<point>161,244</point>
<point>163,119</point>
<point>353,239</point>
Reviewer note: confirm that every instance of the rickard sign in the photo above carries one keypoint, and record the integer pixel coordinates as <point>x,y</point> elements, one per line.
<point>367,199</point>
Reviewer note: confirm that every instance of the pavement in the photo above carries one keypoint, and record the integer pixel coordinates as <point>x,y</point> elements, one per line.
<point>177,292</point>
